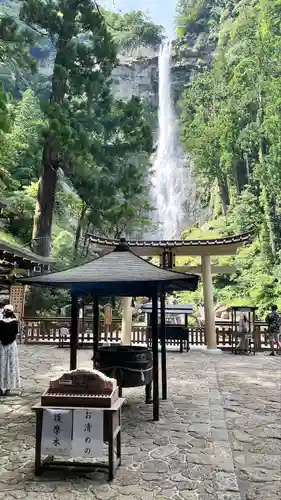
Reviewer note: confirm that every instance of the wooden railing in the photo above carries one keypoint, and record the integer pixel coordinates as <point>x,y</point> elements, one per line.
<point>51,331</point>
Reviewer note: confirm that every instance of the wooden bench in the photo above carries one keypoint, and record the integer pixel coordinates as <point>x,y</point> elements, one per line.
<point>175,335</point>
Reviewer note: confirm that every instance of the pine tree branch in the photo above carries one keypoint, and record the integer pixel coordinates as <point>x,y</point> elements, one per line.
<point>107,23</point>
<point>35,29</point>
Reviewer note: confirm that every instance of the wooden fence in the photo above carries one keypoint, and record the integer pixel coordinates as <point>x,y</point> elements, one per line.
<point>56,331</point>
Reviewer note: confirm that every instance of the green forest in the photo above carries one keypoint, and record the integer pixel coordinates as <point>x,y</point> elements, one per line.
<point>75,159</point>
<point>230,123</point>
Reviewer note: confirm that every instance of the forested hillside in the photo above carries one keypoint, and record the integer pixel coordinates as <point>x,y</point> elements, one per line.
<point>61,125</point>
<point>231,122</point>
<point>73,158</point>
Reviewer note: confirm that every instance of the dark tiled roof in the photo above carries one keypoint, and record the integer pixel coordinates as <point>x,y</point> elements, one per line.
<point>117,271</point>
<point>228,240</point>
<point>11,250</point>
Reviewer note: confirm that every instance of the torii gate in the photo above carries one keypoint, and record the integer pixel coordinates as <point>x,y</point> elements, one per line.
<point>167,251</point>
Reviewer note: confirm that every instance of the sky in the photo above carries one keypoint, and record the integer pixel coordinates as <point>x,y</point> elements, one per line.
<point>161,11</point>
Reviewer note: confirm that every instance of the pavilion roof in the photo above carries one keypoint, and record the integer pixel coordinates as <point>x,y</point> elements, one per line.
<point>217,246</point>
<point>119,272</point>
<point>11,252</point>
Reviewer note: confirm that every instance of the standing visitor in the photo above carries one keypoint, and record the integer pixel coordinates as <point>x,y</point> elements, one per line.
<point>273,321</point>
<point>243,329</point>
<point>9,364</point>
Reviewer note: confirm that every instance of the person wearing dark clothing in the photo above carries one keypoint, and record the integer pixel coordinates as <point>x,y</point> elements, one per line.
<point>9,364</point>
<point>273,321</point>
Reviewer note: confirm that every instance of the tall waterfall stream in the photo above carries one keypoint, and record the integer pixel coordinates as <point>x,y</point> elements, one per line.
<point>173,191</point>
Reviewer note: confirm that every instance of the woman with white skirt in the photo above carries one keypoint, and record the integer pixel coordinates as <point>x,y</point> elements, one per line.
<point>9,363</point>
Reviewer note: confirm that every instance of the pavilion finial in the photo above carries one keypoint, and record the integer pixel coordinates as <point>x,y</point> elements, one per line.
<point>122,245</point>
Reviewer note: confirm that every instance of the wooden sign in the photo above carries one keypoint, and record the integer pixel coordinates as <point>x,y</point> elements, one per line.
<point>108,314</point>
<point>17,299</point>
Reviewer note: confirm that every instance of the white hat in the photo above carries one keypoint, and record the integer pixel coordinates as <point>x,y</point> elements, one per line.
<point>8,307</point>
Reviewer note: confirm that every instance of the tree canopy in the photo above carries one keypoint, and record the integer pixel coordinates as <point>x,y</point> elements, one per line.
<point>230,116</point>
<point>73,158</point>
<point>133,30</point>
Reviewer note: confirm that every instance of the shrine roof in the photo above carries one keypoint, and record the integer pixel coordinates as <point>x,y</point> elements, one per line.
<point>118,272</point>
<point>217,246</point>
<point>12,252</point>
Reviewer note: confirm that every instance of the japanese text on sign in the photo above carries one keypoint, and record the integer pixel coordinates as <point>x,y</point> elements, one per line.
<point>87,433</point>
<point>56,432</point>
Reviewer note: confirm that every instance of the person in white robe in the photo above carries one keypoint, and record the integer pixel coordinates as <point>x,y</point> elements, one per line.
<point>9,363</point>
<point>243,329</point>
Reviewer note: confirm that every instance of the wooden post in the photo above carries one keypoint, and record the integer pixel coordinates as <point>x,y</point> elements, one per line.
<point>83,319</point>
<point>96,327</point>
<point>148,399</point>
<point>74,331</point>
<point>127,317</point>
<point>148,330</point>
<point>232,331</point>
<point>210,327</point>
<point>254,329</point>
<point>107,321</point>
<point>188,333</point>
<point>38,441</point>
<point>163,345</point>
<point>235,330</point>
<point>154,334</point>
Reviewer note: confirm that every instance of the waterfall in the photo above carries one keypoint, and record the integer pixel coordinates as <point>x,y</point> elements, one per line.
<point>173,192</point>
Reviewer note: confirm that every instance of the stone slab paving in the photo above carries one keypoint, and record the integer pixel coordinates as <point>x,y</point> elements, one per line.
<point>218,438</point>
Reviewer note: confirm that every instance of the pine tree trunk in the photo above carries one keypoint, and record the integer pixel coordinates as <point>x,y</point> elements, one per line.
<point>269,212</point>
<point>85,239</point>
<point>269,203</point>
<point>79,229</point>
<point>236,180</point>
<point>224,195</point>
<point>43,217</point>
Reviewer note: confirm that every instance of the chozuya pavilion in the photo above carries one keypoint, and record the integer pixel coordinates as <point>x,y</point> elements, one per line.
<point>121,272</point>
<point>167,251</point>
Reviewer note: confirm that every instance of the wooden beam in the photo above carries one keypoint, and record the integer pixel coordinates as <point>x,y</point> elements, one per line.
<point>185,251</point>
<point>96,327</point>
<point>163,346</point>
<point>154,334</point>
<point>74,331</point>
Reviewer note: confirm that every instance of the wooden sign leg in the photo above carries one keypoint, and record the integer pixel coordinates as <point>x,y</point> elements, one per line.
<point>38,441</point>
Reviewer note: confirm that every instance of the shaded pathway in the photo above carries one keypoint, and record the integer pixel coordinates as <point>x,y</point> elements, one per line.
<point>218,437</point>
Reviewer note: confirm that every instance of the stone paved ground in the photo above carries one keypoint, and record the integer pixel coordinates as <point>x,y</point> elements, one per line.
<point>218,438</point>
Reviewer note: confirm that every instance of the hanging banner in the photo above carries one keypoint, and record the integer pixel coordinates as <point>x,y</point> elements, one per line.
<point>17,299</point>
<point>87,434</point>
<point>57,433</point>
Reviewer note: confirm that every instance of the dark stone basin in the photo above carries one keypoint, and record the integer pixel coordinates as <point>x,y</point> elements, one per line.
<point>130,365</point>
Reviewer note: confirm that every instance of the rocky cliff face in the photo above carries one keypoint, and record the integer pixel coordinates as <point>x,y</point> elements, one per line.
<point>137,73</point>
